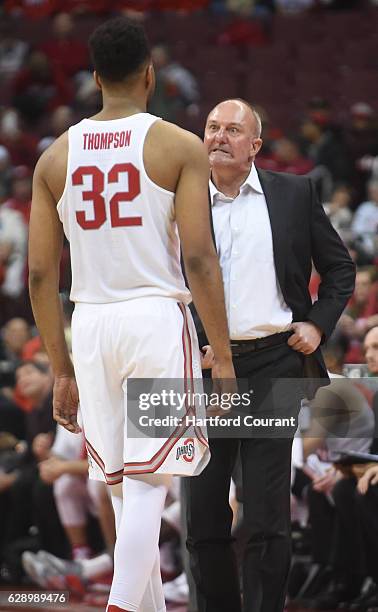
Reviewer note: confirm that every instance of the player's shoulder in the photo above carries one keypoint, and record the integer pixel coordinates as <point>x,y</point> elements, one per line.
<point>53,157</point>
<point>51,169</point>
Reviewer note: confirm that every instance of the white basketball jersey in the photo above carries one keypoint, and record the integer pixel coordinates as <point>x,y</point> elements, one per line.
<point>121,225</point>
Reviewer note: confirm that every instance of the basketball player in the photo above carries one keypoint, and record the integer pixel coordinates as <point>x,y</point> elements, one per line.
<point>124,186</point>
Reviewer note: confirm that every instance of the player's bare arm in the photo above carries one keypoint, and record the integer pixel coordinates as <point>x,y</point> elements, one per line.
<point>200,257</point>
<point>45,249</point>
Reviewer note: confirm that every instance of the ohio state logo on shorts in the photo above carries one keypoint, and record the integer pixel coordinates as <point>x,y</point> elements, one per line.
<point>186,451</point>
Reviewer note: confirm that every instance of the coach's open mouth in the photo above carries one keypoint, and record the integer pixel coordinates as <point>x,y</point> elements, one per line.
<point>217,150</point>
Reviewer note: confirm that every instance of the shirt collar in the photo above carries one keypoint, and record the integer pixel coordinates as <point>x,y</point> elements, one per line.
<point>251,181</point>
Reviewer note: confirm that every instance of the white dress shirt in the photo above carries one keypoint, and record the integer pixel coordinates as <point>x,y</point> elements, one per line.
<point>254,301</point>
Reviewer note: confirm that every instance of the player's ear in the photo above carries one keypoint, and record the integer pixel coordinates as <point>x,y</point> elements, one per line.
<point>97,80</point>
<point>150,79</point>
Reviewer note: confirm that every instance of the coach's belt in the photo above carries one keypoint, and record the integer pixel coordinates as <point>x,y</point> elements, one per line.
<point>239,347</point>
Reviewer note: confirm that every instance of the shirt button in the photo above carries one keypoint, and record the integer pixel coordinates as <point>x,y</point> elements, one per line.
<point>233,305</point>
<point>236,253</point>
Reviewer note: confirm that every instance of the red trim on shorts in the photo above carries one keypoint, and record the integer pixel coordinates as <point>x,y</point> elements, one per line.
<point>107,475</point>
<point>200,435</point>
<point>168,444</point>
<point>190,349</point>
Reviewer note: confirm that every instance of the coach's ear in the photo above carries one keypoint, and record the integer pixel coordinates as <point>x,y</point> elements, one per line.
<point>256,144</point>
<point>97,80</point>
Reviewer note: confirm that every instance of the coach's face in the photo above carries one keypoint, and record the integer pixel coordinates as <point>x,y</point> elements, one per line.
<point>231,136</point>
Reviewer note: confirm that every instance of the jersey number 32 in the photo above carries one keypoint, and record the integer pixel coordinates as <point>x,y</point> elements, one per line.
<point>95,196</point>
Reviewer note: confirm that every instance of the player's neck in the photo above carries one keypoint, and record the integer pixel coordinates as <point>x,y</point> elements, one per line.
<point>116,106</point>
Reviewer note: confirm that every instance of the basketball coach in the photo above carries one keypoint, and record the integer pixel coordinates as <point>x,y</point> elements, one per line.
<point>268,228</point>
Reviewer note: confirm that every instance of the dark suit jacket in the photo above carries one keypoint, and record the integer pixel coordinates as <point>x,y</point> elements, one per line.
<point>301,234</point>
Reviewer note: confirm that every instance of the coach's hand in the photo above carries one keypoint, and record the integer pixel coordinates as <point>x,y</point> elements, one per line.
<point>306,337</point>
<point>65,403</point>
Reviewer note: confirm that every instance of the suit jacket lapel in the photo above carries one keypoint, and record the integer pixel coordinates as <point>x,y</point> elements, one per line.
<point>278,222</point>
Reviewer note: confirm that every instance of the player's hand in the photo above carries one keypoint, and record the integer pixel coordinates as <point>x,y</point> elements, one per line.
<point>306,337</point>
<point>66,402</point>
<point>370,477</point>
<point>207,357</point>
<point>224,384</point>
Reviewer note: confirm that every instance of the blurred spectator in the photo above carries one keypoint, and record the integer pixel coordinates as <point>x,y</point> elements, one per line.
<point>338,209</point>
<point>361,313</point>
<point>14,336</point>
<point>341,420</point>
<point>20,144</point>
<point>13,243</point>
<point>66,53</point>
<point>21,192</point>
<point>12,52</point>
<point>35,382</point>
<point>325,148</point>
<point>358,252</point>
<point>179,81</point>
<point>67,469</point>
<point>365,221</point>
<point>361,136</point>
<point>371,350</point>
<point>87,96</point>
<point>61,119</point>
<point>319,110</point>
<point>38,88</point>
<point>5,173</point>
<point>240,7</point>
<point>363,306</point>
<point>286,157</point>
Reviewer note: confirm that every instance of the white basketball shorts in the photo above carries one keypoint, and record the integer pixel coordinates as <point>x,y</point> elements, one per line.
<point>152,337</point>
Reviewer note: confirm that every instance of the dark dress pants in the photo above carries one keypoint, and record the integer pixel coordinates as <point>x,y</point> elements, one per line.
<point>266,466</point>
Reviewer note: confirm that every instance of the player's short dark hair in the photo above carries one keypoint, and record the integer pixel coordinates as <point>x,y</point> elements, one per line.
<point>118,47</point>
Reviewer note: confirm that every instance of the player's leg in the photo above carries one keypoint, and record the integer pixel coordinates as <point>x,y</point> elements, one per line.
<point>153,598</point>
<point>100,389</point>
<point>136,550</point>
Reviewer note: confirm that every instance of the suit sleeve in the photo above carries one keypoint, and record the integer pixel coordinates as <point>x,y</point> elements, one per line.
<point>335,267</point>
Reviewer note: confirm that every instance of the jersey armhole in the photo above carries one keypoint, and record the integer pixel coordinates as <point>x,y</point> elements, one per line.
<point>60,202</point>
<point>142,166</point>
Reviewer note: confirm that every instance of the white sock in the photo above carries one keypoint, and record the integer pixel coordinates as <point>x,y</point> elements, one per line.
<point>136,566</point>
